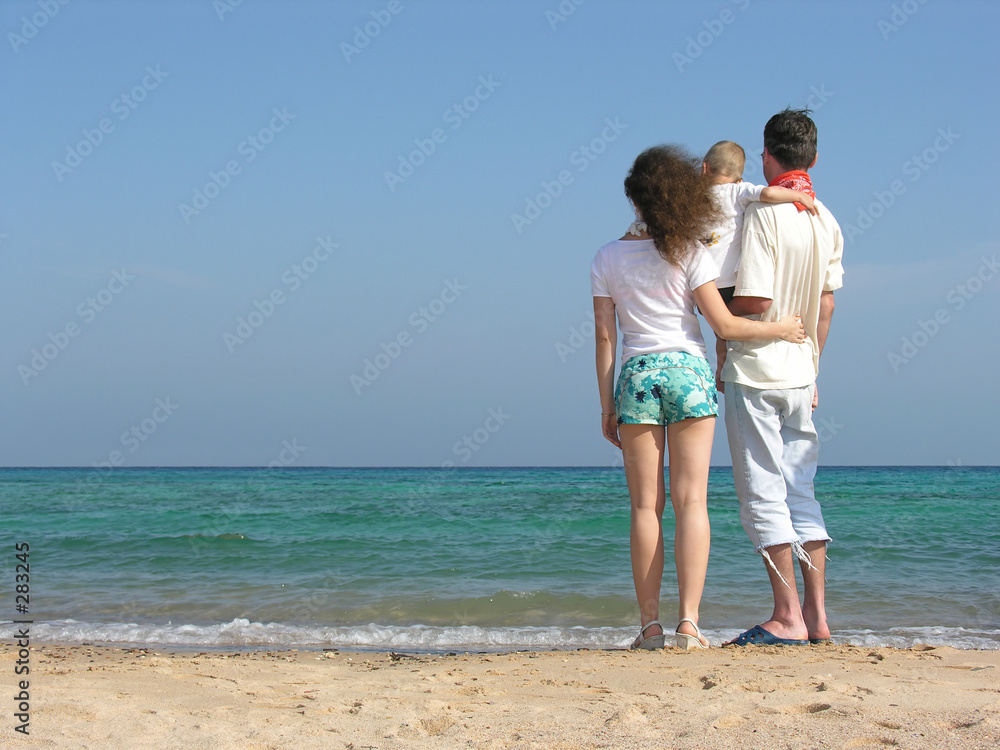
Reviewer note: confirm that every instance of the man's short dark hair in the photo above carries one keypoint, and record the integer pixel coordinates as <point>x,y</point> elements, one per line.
<point>790,137</point>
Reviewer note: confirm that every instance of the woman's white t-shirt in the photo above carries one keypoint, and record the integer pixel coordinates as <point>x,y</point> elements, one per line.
<point>654,299</point>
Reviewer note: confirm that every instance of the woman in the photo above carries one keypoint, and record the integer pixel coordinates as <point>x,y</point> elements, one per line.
<point>665,396</point>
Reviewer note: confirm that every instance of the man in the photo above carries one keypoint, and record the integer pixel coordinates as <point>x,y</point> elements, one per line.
<point>791,264</point>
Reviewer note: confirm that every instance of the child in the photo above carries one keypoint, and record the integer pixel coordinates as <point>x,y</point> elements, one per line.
<point>723,167</point>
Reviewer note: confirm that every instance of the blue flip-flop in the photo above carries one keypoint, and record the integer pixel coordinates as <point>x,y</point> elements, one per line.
<point>757,636</point>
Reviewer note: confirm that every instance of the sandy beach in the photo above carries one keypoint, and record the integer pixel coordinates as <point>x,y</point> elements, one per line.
<point>765,697</point>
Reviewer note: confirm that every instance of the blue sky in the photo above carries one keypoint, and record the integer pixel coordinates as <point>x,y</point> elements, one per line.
<point>359,233</point>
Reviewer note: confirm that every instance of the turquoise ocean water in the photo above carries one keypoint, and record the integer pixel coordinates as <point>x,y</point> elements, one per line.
<point>466,559</point>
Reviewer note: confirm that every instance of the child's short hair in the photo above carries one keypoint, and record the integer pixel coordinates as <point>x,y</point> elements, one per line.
<point>726,159</point>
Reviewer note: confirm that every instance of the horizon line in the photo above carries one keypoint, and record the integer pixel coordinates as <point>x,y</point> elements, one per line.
<point>110,470</point>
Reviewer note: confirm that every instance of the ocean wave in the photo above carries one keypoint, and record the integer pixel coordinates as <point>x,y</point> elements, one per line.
<point>240,633</point>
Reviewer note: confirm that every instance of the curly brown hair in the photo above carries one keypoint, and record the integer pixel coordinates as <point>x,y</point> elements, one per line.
<point>666,185</point>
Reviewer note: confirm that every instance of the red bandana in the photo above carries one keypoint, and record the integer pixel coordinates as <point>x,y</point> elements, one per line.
<point>795,180</point>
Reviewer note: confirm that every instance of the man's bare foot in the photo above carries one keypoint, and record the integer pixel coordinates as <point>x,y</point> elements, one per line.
<point>816,625</point>
<point>797,632</point>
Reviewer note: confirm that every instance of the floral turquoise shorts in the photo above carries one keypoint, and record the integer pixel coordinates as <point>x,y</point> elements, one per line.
<point>665,388</point>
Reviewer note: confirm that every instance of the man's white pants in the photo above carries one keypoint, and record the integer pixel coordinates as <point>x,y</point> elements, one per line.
<point>775,450</point>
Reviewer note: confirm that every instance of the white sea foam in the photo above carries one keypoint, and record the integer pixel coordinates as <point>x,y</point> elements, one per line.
<point>243,633</point>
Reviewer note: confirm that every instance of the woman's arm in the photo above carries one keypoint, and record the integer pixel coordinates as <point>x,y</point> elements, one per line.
<point>606,339</point>
<point>729,327</point>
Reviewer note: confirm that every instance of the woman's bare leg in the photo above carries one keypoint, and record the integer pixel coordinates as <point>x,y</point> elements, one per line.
<point>642,449</point>
<point>690,445</point>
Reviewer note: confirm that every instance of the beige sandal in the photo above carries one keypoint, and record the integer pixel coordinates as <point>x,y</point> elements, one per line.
<point>651,643</point>
<point>689,642</point>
